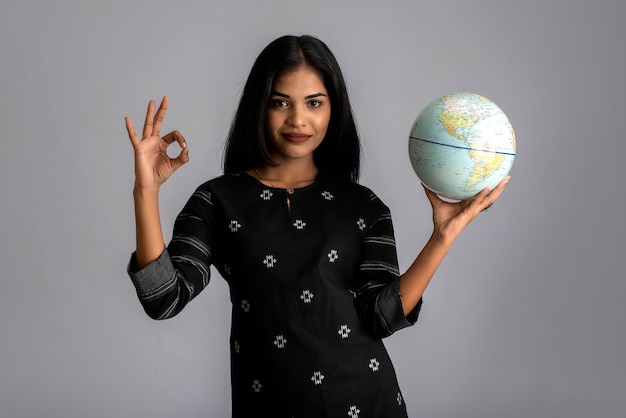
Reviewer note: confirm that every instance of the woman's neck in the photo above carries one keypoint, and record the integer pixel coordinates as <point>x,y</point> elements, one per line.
<point>293,175</point>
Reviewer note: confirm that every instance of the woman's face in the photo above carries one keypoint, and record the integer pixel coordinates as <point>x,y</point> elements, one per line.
<point>297,115</point>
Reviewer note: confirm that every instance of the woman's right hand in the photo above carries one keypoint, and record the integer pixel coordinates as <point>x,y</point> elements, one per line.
<point>152,163</point>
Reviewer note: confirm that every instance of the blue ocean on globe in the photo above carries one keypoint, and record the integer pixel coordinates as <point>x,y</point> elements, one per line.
<point>461,143</point>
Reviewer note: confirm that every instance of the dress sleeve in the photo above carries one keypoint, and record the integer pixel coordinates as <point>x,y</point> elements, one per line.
<point>167,284</point>
<point>378,299</point>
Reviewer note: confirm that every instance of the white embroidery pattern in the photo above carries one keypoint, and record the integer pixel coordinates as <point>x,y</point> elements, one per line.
<point>267,194</point>
<point>332,256</point>
<point>269,261</point>
<point>354,412</point>
<point>361,224</point>
<point>399,398</point>
<point>317,378</point>
<point>306,296</point>
<point>237,347</point>
<point>327,195</point>
<point>234,226</point>
<point>374,364</point>
<point>245,305</point>
<point>280,341</point>
<point>344,331</point>
<point>299,223</point>
<point>257,386</point>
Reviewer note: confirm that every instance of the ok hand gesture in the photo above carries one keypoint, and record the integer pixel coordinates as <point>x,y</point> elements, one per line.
<point>152,164</point>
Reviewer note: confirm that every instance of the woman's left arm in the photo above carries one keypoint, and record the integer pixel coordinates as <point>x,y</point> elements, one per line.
<point>449,220</point>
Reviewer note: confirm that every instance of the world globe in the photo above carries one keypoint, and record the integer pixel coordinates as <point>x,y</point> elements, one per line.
<point>460,144</point>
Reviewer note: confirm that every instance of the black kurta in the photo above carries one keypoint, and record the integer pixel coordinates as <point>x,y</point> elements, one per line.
<point>314,286</point>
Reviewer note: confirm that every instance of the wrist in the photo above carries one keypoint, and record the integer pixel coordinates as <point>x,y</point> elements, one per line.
<point>145,192</point>
<point>440,240</point>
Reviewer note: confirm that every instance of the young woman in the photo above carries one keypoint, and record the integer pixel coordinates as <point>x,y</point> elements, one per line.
<point>308,253</point>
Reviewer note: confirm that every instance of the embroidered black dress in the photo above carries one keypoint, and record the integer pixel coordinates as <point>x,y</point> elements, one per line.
<point>313,279</point>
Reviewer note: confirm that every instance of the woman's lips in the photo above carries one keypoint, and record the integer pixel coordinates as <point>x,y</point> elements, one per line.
<point>296,138</point>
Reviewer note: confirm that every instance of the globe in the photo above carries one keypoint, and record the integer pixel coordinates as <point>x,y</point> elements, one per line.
<point>461,143</point>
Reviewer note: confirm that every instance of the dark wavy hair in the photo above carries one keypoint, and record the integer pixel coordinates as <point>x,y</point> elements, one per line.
<point>338,156</point>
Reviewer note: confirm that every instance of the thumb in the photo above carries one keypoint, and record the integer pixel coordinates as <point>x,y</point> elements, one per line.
<point>432,196</point>
<point>181,159</point>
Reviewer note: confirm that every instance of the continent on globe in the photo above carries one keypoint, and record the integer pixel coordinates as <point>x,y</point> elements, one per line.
<point>461,143</point>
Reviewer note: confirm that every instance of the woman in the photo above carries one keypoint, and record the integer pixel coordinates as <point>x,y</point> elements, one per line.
<point>308,253</point>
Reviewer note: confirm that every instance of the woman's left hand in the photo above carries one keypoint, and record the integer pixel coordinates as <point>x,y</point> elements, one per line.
<point>450,218</point>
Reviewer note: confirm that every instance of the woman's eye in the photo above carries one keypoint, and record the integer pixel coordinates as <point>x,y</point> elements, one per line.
<point>279,103</point>
<point>315,103</point>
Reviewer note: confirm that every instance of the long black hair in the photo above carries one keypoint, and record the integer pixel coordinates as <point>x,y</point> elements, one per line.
<point>338,156</point>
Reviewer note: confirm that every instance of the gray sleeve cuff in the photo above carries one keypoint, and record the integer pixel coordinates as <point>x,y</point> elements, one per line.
<point>152,279</point>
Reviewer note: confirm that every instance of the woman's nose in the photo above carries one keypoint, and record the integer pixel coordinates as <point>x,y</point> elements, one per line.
<point>296,117</point>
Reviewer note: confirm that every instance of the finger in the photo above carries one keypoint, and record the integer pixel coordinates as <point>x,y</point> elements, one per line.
<point>478,202</point>
<point>495,193</point>
<point>488,197</point>
<point>147,126</point>
<point>175,136</point>
<point>131,131</point>
<point>182,159</point>
<point>160,114</point>
<point>484,194</point>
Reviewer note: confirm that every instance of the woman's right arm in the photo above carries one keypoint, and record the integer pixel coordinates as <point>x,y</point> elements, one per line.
<point>152,168</point>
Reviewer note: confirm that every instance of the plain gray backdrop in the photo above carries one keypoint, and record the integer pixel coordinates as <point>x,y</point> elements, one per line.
<point>525,318</point>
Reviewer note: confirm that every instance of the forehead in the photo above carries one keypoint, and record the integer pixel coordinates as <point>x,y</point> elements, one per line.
<point>304,79</point>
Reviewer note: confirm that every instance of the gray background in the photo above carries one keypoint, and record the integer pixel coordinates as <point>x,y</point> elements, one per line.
<point>525,318</point>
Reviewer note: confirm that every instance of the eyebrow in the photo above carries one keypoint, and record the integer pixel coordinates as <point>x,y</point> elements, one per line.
<point>286,96</point>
